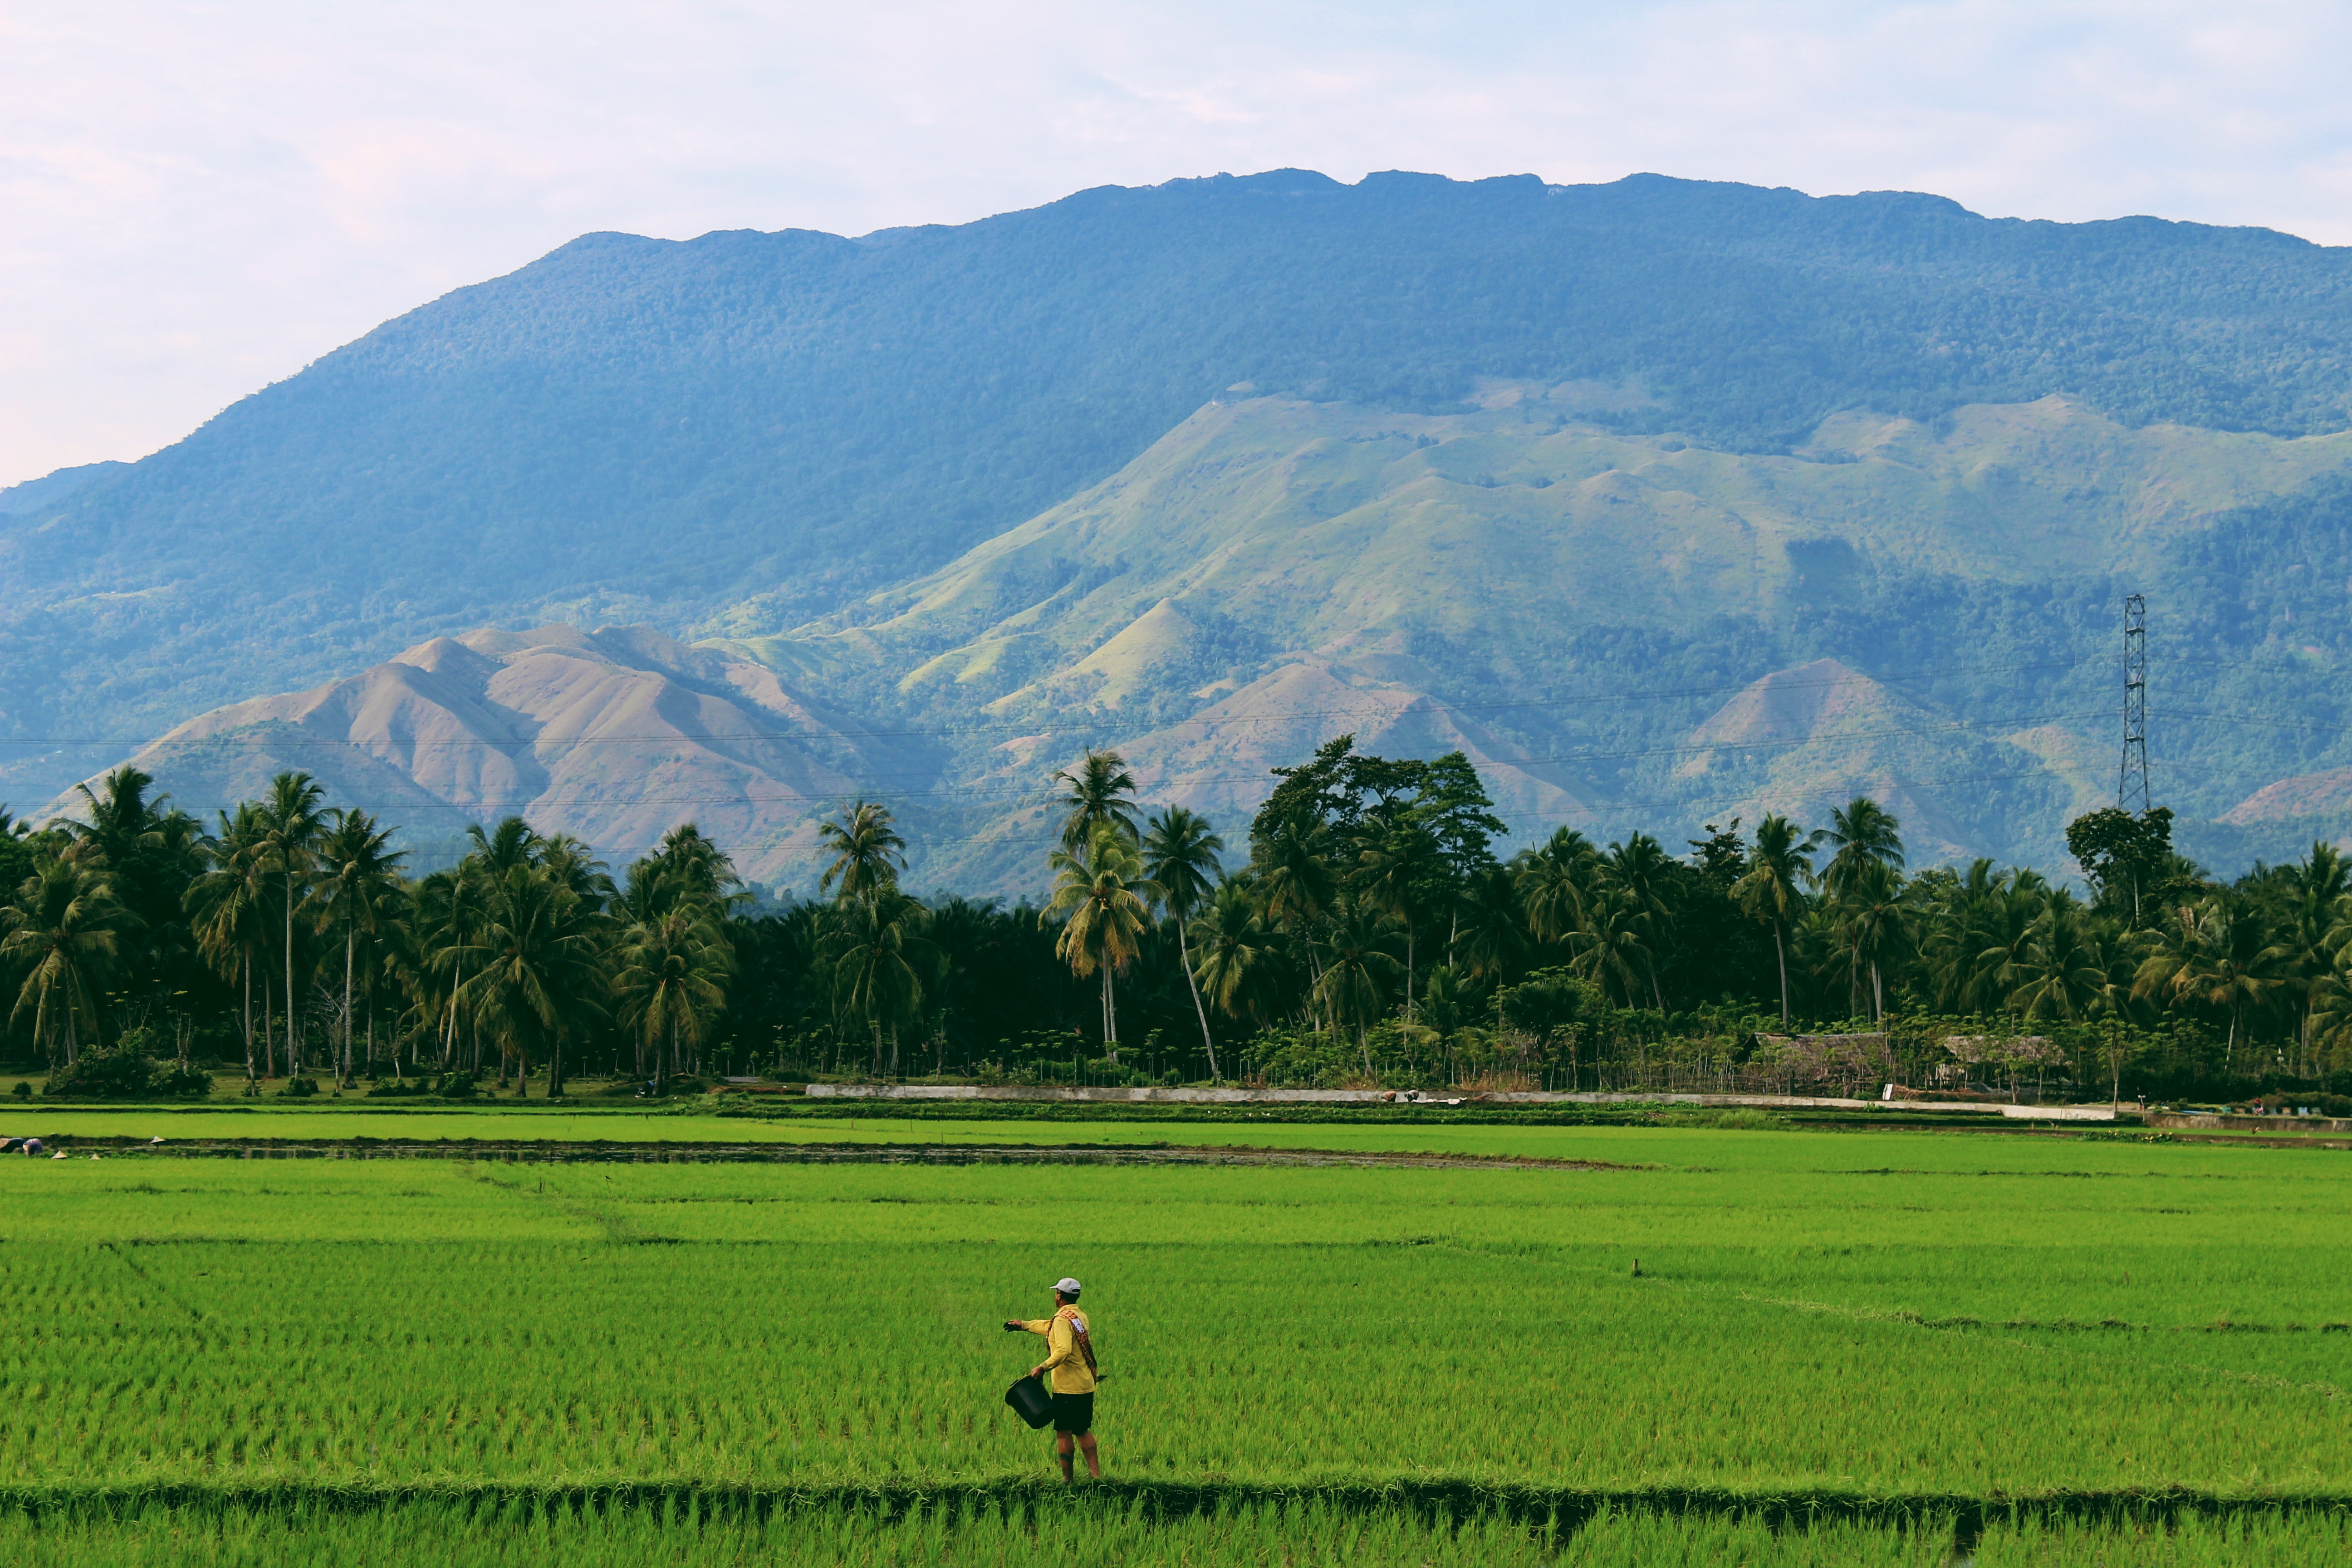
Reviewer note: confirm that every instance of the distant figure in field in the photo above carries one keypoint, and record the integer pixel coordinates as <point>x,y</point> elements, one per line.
<point>1070,1357</point>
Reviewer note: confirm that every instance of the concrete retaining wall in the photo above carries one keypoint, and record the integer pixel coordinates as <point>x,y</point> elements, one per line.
<point>1381,1097</point>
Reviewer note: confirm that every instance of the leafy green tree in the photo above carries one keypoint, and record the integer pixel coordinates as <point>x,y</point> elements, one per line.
<point>1453,806</point>
<point>1490,936</point>
<point>2068,972</point>
<point>2126,858</point>
<point>1179,858</point>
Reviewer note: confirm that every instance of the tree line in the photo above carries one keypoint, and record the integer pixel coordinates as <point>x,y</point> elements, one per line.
<point>1368,931</point>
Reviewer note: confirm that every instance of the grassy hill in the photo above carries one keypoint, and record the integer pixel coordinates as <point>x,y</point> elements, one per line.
<point>737,433</point>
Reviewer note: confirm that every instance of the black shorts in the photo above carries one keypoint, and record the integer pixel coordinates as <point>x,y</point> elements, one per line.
<point>1074,1413</point>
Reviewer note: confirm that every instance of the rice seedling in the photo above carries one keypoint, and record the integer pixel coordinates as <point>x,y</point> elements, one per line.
<point>2116,1318</point>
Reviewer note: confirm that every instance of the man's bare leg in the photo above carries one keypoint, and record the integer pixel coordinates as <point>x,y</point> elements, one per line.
<point>1094,1465</point>
<point>1062,1449</point>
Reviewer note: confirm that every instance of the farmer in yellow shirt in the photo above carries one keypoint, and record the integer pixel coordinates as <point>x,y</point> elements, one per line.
<point>1070,1357</point>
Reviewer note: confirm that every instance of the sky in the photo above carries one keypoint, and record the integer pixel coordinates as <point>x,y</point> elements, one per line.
<point>198,199</point>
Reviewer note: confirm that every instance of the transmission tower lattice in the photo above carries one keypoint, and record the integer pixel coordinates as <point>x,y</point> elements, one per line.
<point>2134,776</point>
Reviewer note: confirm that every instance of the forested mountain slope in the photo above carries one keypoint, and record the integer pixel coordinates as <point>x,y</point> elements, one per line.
<point>739,433</point>
<point>1619,631</point>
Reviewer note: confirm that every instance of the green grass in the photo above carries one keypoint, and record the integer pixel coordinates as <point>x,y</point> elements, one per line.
<point>1048,1533</point>
<point>1917,1318</point>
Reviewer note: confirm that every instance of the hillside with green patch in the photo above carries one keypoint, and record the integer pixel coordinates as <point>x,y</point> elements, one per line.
<point>745,432</point>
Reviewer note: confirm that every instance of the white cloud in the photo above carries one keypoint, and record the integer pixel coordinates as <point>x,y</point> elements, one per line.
<point>200,198</point>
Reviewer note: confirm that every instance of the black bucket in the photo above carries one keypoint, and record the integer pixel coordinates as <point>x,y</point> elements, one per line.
<point>1031,1402</point>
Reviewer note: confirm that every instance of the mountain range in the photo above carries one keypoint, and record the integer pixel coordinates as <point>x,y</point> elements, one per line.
<point>1663,501</point>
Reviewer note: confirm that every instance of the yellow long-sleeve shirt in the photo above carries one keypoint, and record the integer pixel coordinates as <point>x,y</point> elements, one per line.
<point>1071,1374</point>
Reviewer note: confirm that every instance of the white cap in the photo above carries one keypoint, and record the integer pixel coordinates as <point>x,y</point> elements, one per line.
<point>1067,1286</point>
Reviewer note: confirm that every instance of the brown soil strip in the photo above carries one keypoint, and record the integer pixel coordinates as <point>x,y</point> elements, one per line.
<point>583,1151</point>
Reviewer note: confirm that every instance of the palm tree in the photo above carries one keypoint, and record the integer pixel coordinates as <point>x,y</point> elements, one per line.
<point>1614,944</point>
<point>1237,956</point>
<point>64,927</point>
<point>228,904</point>
<point>291,820</point>
<point>1636,874</point>
<point>1179,858</point>
<point>1399,873</point>
<point>539,982</point>
<point>447,914</point>
<point>1357,968</point>
<point>1779,864</point>
<point>512,842</point>
<point>1864,871</point>
<point>357,878</point>
<point>671,978</point>
<point>868,852</point>
<point>2215,953</point>
<point>879,956</point>
<point>1489,934</point>
<point>2067,969</point>
<point>1101,794</point>
<point>1555,882</point>
<point>1874,924</point>
<point>1864,835</point>
<point>1107,900</point>
<point>1294,879</point>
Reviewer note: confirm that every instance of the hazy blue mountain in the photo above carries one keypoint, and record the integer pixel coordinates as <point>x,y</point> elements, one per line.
<point>750,436</point>
<point>634,428</point>
<point>51,489</point>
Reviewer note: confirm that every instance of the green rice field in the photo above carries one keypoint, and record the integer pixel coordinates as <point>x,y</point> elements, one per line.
<point>1837,1347</point>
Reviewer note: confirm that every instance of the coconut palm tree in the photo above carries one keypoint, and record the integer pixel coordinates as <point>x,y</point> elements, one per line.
<point>1874,924</point>
<point>540,980</point>
<point>1400,873</point>
<point>1238,959</point>
<point>64,927</point>
<point>878,955</point>
<point>292,821</point>
<point>1555,881</point>
<point>1614,944</point>
<point>1864,872</point>
<point>1179,858</point>
<point>356,880</point>
<point>1779,864</point>
<point>447,912</point>
<point>1864,834</point>
<point>227,906</point>
<point>2067,971</point>
<point>1106,899</point>
<point>1635,876</point>
<point>1358,968</point>
<point>671,977</point>
<point>1490,933</point>
<point>1100,794</point>
<point>869,852</point>
<point>2215,953</point>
